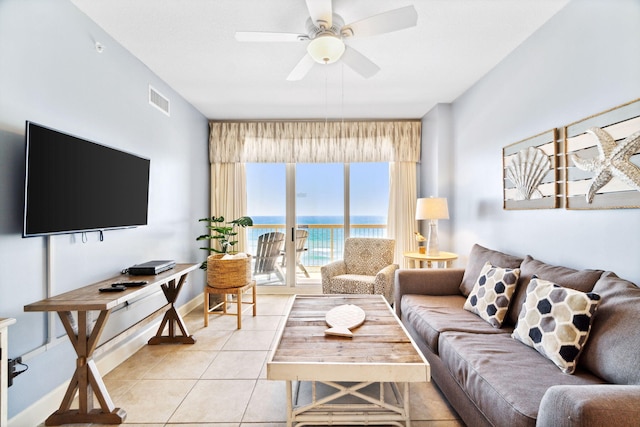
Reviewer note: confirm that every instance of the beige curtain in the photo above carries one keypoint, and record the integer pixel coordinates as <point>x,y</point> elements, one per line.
<point>231,144</point>
<point>309,142</point>
<point>402,207</point>
<point>229,196</point>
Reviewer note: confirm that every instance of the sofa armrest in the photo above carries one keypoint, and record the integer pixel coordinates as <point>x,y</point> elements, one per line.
<point>590,405</point>
<point>429,281</point>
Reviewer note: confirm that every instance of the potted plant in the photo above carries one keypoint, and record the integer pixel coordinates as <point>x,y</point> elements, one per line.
<point>228,272</point>
<point>221,233</point>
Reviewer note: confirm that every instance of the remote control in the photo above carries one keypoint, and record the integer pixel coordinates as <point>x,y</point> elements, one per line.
<point>114,288</point>
<point>131,284</point>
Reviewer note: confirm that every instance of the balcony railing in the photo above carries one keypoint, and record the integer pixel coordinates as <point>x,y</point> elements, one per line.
<point>325,242</point>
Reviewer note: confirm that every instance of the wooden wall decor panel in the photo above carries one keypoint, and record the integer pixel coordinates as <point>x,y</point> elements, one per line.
<point>530,172</point>
<point>602,154</point>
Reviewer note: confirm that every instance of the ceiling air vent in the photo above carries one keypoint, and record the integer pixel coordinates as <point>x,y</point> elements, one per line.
<point>158,100</point>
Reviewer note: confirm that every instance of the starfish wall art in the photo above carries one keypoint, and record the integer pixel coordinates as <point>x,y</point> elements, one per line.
<point>595,165</point>
<point>614,160</point>
<point>602,157</point>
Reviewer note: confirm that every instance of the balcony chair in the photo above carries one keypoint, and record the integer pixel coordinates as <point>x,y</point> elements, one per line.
<point>269,249</point>
<point>301,241</point>
<point>367,268</point>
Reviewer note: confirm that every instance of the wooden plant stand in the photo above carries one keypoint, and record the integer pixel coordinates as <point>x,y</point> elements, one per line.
<point>238,292</point>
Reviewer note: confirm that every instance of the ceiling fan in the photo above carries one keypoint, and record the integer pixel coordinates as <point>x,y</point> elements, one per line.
<point>326,33</point>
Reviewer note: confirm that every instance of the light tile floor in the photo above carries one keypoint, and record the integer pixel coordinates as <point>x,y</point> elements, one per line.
<point>220,381</point>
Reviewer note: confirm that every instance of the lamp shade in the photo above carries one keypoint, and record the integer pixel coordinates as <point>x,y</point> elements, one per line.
<point>326,48</point>
<point>432,208</point>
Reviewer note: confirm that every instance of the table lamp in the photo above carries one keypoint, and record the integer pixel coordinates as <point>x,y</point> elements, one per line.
<point>433,209</point>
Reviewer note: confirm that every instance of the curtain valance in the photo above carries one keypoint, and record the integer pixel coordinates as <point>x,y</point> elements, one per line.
<point>328,141</point>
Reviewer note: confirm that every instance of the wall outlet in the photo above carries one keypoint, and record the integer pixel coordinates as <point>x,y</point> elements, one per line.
<point>12,369</point>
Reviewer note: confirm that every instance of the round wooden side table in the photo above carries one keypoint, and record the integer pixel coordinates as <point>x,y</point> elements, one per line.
<point>442,260</point>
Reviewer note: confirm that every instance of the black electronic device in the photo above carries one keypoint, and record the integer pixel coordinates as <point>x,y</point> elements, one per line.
<point>151,267</point>
<point>131,284</point>
<point>75,185</point>
<point>112,288</point>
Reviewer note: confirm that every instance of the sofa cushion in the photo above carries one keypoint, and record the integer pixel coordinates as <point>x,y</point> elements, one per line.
<point>581,280</point>
<point>430,315</point>
<point>556,321</point>
<point>492,292</point>
<point>489,368</point>
<point>612,351</point>
<point>478,257</point>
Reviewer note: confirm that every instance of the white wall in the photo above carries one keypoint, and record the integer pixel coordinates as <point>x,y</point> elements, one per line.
<point>582,61</point>
<point>436,167</point>
<point>51,73</point>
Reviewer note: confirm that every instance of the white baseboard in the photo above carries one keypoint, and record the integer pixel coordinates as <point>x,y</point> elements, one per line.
<point>37,413</point>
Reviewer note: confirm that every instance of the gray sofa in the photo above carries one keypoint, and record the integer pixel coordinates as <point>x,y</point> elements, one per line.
<point>492,379</point>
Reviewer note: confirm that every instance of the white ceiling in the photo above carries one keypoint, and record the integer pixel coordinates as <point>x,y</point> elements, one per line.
<point>190,44</point>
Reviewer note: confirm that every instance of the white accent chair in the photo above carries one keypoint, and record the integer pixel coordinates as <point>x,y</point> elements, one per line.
<point>367,268</point>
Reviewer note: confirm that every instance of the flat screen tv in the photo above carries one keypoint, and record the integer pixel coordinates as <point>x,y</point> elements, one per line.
<point>73,185</point>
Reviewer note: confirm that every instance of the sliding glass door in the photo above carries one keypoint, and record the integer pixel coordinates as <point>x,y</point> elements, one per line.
<point>319,210</point>
<point>314,206</point>
<point>267,206</point>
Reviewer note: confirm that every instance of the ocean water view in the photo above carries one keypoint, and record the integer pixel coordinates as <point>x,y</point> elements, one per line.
<point>326,234</point>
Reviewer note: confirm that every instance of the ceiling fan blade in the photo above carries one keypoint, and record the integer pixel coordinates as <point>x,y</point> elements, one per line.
<point>359,63</point>
<point>385,22</point>
<point>302,68</point>
<point>262,36</point>
<point>321,12</point>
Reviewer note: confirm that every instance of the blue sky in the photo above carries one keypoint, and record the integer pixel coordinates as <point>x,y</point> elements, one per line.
<point>319,189</point>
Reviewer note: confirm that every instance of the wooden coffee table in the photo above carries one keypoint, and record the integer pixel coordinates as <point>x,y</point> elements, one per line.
<point>363,380</point>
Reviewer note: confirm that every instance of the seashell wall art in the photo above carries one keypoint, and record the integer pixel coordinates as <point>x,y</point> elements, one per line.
<point>595,165</point>
<point>526,171</point>
<point>530,173</point>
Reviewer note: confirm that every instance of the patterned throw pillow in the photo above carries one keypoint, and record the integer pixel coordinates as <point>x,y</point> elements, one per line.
<point>556,322</point>
<point>492,292</point>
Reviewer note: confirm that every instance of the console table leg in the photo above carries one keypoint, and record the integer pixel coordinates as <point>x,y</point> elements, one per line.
<point>86,379</point>
<point>172,318</point>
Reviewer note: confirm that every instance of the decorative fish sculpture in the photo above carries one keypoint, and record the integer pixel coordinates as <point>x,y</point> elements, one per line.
<point>343,318</point>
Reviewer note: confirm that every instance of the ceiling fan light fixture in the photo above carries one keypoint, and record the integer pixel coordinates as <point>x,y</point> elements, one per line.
<point>326,48</point>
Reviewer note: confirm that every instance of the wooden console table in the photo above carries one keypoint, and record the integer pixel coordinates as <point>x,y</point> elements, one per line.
<point>84,337</point>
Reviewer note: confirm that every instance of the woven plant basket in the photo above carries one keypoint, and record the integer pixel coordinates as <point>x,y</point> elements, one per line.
<point>228,273</point>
